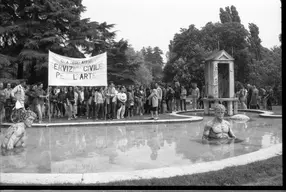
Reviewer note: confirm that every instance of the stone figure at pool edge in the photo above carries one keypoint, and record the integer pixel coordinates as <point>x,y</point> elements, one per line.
<point>218,128</point>
<point>15,134</point>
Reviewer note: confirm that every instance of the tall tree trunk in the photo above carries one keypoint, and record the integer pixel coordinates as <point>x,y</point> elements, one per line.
<point>33,75</point>
<point>20,72</point>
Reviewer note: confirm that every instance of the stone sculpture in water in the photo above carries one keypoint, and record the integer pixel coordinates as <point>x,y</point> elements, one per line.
<point>15,134</point>
<point>218,130</point>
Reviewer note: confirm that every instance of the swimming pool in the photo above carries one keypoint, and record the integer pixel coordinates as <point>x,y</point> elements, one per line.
<point>91,149</point>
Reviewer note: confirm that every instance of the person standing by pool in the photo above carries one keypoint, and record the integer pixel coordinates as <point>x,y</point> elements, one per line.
<point>2,102</point>
<point>141,100</point>
<point>169,98</point>
<point>111,104</point>
<point>243,97</point>
<point>195,93</point>
<point>249,91</point>
<point>202,95</point>
<point>9,102</point>
<point>121,100</point>
<point>164,103</point>
<point>153,98</point>
<point>40,101</point>
<point>88,100</point>
<point>177,89</point>
<point>70,102</point>
<point>159,90</point>
<point>18,93</point>
<point>100,102</point>
<point>269,99</point>
<point>183,98</point>
<point>254,98</point>
<point>62,102</point>
<point>263,100</point>
<point>218,128</point>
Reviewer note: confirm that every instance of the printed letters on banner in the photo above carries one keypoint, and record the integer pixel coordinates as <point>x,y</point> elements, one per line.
<point>67,71</point>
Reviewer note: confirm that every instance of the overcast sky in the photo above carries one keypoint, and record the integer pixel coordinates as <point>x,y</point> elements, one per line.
<point>154,22</point>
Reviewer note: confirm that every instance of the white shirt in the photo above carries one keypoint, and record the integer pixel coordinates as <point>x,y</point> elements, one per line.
<point>20,94</point>
<point>122,97</point>
<point>81,95</point>
<point>115,96</point>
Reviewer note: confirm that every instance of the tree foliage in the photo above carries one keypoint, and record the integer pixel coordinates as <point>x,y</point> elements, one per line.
<point>189,48</point>
<point>229,15</point>
<point>154,61</point>
<point>30,28</point>
<point>254,41</point>
<point>267,71</point>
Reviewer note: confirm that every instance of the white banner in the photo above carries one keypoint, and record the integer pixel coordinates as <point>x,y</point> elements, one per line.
<point>67,71</point>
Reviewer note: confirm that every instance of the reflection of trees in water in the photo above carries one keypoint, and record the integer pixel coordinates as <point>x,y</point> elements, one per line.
<point>68,142</point>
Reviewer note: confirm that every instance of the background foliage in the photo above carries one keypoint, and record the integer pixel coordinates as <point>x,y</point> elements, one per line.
<point>254,63</point>
<point>30,28</point>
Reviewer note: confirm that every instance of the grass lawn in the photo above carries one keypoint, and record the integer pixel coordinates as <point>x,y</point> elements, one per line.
<point>267,172</point>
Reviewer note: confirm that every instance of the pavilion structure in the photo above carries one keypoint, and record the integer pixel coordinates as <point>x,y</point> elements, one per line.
<point>219,82</point>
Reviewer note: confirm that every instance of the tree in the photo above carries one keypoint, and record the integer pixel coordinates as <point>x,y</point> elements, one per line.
<point>234,14</point>
<point>143,76</point>
<point>154,61</point>
<point>224,16</point>
<point>254,41</point>
<point>211,36</point>
<point>263,71</point>
<point>187,53</point>
<point>29,29</point>
<point>229,15</point>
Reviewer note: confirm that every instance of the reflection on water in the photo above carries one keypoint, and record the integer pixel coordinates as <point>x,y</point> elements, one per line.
<point>132,147</point>
<point>34,158</point>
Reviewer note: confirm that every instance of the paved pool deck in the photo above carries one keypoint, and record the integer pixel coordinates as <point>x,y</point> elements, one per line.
<point>105,177</point>
<point>187,118</point>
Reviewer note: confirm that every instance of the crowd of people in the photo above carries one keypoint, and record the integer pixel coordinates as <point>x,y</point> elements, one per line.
<point>250,97</point>
<point>116,102</point>
<point>111,102</point>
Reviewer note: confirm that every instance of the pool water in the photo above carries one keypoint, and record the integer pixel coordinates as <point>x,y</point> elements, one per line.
<point>96,149</point>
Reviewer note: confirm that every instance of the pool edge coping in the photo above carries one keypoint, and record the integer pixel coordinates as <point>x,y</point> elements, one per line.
<point>165,172</point>
<point>188,118</point>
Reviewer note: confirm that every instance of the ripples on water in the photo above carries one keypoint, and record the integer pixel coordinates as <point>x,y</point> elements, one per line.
<point>132,147</point>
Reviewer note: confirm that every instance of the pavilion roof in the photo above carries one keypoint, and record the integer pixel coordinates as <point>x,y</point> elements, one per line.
<point>219,55</point>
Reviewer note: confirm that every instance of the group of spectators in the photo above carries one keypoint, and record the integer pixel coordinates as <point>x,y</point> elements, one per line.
<point>251,97</point>
<point>117,102</point>
<point>111,102</point>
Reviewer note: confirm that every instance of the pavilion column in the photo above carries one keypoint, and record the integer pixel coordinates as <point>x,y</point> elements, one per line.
<point>231,80</point>
<point>215,79</point>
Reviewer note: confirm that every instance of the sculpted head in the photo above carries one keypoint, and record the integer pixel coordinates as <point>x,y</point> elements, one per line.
<point>219,111</point>
<point>29,117</point>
